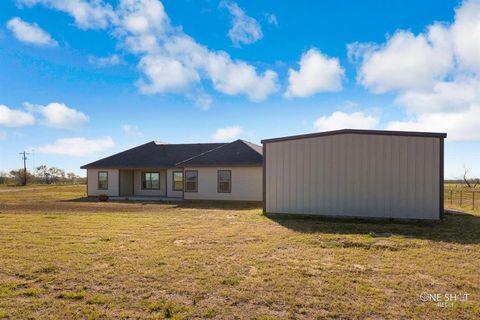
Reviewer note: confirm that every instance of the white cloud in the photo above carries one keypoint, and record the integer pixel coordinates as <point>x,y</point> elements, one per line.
<point>142,17</point>
<point>317,73</point>
<point>165,74</point>
<point>194,60</point>
<point>445,97</point>
<point>466,35</point>
<point>460,126</point>
<point>203,100</point>
<point>342,120</point>
<point>171,61</point>
<point>93,14</point>
<point>30,33</point>
<point>132,130</point>
<point>101,62</point>
<point>77,147</point>
<point>244,29</point>
<point>271,19</point>
<point>144,29</point>
<point>15,118</point>
<point>58,115</point>
<point>405,61</point>
<point>435,74</point>
<point>227,133</point>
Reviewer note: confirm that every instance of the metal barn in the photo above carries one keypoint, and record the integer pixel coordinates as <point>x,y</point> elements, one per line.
<point>355,173</point>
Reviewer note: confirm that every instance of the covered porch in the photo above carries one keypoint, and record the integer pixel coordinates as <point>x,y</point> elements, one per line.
<point>150,184</point>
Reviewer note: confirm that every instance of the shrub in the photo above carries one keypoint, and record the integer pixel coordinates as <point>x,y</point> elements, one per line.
<point>103,197</point>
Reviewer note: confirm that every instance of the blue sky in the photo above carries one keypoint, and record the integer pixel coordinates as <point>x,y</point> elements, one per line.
<point>83,79</point>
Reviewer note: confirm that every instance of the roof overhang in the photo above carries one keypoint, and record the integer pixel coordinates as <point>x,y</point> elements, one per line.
<point>220,165</point>
<point>359,131</point>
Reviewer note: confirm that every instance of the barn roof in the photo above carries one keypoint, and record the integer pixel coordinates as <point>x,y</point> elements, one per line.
<point>359,131</point>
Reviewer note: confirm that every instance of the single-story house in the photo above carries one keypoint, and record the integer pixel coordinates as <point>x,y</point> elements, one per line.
<point>356,173</point>
<point>206,171</point>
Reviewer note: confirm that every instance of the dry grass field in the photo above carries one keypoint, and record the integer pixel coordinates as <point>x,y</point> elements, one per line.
<point>63,257</point>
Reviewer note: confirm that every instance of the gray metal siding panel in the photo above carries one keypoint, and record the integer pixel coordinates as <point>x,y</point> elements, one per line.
<point>355,175</point>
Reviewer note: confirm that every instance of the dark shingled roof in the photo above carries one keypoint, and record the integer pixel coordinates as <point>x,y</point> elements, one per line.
<point>161,155</point>
<point>236,153</point>
<point>152,155</point>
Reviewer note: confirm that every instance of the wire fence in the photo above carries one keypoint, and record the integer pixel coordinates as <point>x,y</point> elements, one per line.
<point>462,198</point>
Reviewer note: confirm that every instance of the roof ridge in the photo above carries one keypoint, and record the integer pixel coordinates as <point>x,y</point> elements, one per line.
<point>248,143</point>
<point>203,153</point>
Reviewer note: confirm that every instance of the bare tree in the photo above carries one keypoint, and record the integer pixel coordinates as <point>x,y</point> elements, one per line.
<point>465,172</point>
<point>475,182</point>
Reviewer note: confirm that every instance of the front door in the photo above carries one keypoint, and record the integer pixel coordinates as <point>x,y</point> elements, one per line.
<point>126,183</point>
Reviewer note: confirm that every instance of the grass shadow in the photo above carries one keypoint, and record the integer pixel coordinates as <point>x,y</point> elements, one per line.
<point>82,199</point>
<point>184,204</point>
<point>220,205</point>
<point>454,228</point>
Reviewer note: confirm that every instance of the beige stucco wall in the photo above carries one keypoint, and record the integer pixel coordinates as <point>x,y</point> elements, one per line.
<point>92,183</point>
<point>137,188</point>
<point>246,184</point>
<point>355,175</point>
<point>170,191</point>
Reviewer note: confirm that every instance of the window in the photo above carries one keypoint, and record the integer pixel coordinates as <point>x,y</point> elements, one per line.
<point>191,181</point>
<point>177,181</point>
<point>151,180</point>
<point>224,181</point>
<point>102,180</point>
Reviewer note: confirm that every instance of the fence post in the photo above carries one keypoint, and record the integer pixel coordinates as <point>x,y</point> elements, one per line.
<point>451,197</point>
<point>473,197</point>
<point>461,195</point>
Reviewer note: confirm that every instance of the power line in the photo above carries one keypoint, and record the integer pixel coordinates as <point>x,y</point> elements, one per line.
<point>33,160</point>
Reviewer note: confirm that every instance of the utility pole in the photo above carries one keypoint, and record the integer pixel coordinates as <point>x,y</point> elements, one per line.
<point>24,158</point>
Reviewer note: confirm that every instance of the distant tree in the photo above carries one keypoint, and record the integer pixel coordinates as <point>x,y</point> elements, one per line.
<point>72,177</point>
<point>56,174</point>
<point>42,174</point>
<point>16,177</point>
<point>3,177</point>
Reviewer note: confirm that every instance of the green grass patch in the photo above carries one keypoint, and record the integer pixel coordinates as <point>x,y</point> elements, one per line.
<point>31,292</point>
<point>98,299</point>
<point>209,313</point>
<point>72,295</point>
